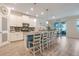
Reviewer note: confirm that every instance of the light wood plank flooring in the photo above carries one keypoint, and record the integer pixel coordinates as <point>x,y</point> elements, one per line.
<point>65,47</point>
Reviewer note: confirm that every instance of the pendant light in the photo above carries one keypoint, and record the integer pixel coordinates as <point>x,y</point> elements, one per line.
<point>47,17</point>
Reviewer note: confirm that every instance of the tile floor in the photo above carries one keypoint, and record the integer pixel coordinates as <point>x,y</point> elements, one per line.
<point>64,47</point>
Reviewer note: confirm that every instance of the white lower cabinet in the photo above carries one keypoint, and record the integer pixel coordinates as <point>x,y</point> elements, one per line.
<point>15,36</point>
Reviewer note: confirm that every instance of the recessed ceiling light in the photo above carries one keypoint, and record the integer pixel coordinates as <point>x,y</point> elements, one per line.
<point>42,13</point>
<point>36,15</point>
<point>34,20</point>
<point>27,12</point>
<point>31,9</point>
<point>12,8</point>
<point>8,8</point>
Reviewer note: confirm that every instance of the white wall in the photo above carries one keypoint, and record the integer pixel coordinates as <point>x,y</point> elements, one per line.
<point>72,29</point>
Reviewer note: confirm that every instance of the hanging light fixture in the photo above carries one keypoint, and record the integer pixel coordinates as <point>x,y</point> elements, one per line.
<point>32,9</point>
<point>47,18</point>
<point>35,7</point>
<point>47,13</point>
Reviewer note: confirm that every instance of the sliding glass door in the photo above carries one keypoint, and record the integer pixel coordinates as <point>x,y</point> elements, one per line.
<point>61,28</point>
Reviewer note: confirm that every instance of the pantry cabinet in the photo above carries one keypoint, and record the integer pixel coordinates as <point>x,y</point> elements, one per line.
<point>3,25</point>
<point>3,30</point>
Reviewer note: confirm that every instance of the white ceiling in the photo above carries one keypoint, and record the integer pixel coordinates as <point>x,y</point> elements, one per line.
<point>54,9</point>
